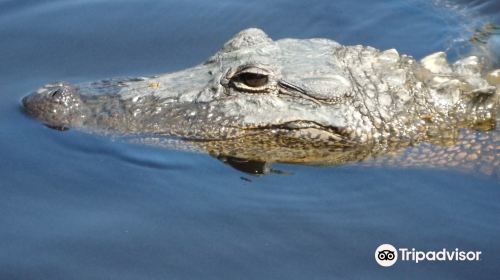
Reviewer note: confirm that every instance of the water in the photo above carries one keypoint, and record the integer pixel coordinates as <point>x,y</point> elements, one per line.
<point>79,206</point>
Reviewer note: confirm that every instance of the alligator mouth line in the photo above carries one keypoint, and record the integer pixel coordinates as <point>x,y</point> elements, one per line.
<point>330,133</point>
<point>334,133</point>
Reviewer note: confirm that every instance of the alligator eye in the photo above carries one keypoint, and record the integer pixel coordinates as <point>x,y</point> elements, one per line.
<point>253,80</point>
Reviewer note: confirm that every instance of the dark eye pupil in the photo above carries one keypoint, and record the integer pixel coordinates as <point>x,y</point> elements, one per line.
<point>253,80</point>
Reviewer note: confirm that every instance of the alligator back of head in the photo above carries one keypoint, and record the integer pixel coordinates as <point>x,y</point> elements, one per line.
<point>287,100</point>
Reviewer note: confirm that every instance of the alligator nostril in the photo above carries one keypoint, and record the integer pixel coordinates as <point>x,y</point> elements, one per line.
<point>56,93</point>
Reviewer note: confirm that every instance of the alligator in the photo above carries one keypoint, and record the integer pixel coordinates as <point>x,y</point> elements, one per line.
<point>309,101</point>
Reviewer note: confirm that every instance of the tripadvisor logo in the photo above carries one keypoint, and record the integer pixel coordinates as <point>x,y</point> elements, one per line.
<point>386,255</point>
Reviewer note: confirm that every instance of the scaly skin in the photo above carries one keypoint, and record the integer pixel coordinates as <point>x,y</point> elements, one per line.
<point>300,101</point>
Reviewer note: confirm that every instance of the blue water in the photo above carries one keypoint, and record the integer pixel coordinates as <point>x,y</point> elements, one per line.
<point>79,206</point>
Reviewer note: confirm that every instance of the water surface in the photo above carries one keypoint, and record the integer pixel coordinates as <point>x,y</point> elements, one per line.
<point>79,206</point>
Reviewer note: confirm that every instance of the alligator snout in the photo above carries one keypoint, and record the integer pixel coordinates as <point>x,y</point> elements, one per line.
<point>57,105</point>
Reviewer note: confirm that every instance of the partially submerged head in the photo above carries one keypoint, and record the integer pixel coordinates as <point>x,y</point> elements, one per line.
<point>312,89</point>
<point>253,83</point>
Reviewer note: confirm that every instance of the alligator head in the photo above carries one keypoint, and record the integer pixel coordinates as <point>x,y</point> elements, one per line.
<point>314,91</point>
